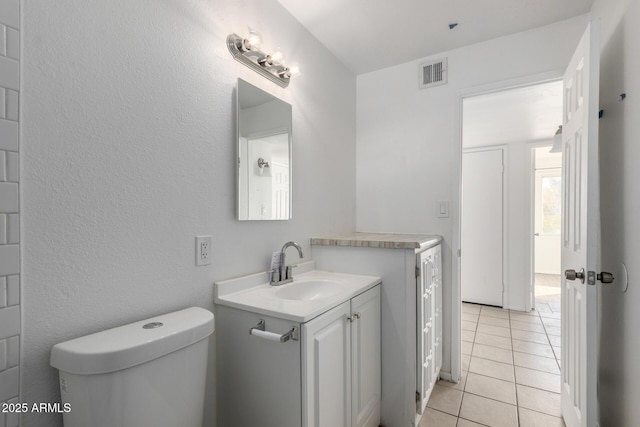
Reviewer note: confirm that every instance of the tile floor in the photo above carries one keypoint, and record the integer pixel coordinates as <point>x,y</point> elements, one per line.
<point>542,279</point>
<point>548,293</point>
<point>510,369</point>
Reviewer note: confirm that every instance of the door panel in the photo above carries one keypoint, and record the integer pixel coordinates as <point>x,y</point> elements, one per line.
<point>326,342</point>
<point>425,329</point>
<point>365,345</point>
<point>580,234</point>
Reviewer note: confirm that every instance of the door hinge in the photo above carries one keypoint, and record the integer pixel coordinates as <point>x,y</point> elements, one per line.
<point>417,396</point>
<point>459,253</point>
<point>417,272</point>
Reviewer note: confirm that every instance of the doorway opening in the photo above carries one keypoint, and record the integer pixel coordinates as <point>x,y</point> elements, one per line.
<point>503,132</point>
<point>507,343</point>
<point>547,207</point>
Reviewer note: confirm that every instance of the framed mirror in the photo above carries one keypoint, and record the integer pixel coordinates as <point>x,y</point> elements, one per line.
<point>264,155</point>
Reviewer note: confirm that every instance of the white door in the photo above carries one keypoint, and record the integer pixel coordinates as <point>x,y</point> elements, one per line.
<point>365,353</point>
<point>482,219</point>
<point>580,232</point>
<point>326,388</point>
<point>280,190</point>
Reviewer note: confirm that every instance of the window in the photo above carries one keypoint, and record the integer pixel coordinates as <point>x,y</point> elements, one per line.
<point>551,204</point>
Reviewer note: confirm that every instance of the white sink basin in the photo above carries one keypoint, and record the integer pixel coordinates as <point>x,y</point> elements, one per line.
<point>309,290</point>
<point>311,293</point>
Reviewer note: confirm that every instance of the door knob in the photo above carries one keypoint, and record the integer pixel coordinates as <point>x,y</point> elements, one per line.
<point>573,275</point>
<point>604,277</point>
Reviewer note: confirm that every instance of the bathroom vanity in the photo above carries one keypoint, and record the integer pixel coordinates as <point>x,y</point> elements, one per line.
<point>411,308</point>
<point>305,353</point>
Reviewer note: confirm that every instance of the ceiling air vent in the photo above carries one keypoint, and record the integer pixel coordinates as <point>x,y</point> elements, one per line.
<point>433,73</point>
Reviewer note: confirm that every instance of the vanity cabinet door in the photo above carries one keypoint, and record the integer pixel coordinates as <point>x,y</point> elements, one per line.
<point>424,329</point>
<point>437,301</point>
<point>326,369</point>
<point>365,356</point>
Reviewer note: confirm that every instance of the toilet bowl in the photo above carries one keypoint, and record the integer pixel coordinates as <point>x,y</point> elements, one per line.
<point>146,374</point>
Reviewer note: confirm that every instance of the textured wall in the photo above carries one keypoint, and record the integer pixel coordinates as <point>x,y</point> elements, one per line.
<point>129,153</point>
<point>618,313</point>
<point>9,208</point>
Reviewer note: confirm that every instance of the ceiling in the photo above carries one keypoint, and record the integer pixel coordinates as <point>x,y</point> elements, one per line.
<point>531,113</point>
<point>368,35</point>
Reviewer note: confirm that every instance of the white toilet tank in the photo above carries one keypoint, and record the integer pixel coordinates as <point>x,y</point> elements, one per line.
<point>146,374</point>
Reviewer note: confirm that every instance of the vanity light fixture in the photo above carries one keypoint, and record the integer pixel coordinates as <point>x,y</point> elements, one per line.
<point>270,65</point>
<point>557,141</point>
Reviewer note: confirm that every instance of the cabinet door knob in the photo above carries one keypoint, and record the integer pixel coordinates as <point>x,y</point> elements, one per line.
<point>354,317</point>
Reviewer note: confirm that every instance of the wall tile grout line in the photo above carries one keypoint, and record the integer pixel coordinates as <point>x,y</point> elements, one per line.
<point>10,311</point>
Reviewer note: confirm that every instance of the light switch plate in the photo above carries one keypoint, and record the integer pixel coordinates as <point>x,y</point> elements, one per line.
<point>443,209</point>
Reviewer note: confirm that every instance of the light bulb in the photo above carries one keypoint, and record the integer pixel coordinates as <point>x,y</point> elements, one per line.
<point>253,40</point>
<point>288,72</point>
<point>277,56</point>
<point>294,70</point>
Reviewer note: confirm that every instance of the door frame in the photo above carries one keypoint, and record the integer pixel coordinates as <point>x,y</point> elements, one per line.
<point>456,205</point>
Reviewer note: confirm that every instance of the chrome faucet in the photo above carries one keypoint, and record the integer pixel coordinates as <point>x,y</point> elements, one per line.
<point>283,274</point>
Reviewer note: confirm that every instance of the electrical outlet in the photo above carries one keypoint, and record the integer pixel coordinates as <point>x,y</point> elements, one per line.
<point>203,250</point>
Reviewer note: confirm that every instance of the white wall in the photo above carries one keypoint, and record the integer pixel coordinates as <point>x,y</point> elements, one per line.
<point>619,313</point>
<point>129,153</point>
<point>9,208</point>
<point>407,139</point>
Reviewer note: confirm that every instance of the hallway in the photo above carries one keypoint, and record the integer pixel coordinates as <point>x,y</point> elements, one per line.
<point>510,368</point>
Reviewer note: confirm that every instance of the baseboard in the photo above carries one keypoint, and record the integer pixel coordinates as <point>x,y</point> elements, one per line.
<point>446,376</point>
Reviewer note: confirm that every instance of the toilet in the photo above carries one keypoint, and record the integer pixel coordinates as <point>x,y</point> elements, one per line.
<point>146,374</point>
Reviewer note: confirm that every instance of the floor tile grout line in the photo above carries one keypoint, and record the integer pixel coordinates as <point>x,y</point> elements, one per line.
<point>488,376</point>
<point>515,382</point>
<point>514,364</point>
<point>491,398</point>
<point>532,354</point>
<point>480,424</point>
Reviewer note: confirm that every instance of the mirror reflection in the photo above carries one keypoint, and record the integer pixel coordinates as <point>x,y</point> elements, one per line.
<point>264,155</point>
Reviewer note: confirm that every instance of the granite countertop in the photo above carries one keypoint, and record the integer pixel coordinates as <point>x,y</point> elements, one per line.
<point>379,240</point>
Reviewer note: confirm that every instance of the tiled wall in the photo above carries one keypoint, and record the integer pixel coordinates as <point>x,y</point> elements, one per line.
<point>9,208</point>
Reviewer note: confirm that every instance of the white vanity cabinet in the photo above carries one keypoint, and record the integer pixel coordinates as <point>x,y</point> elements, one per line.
<point>341,365</point>
<point>325,374</point>
<point>411,311</point>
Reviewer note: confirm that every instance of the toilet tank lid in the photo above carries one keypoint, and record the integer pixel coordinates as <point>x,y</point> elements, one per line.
<point>133,344</point>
